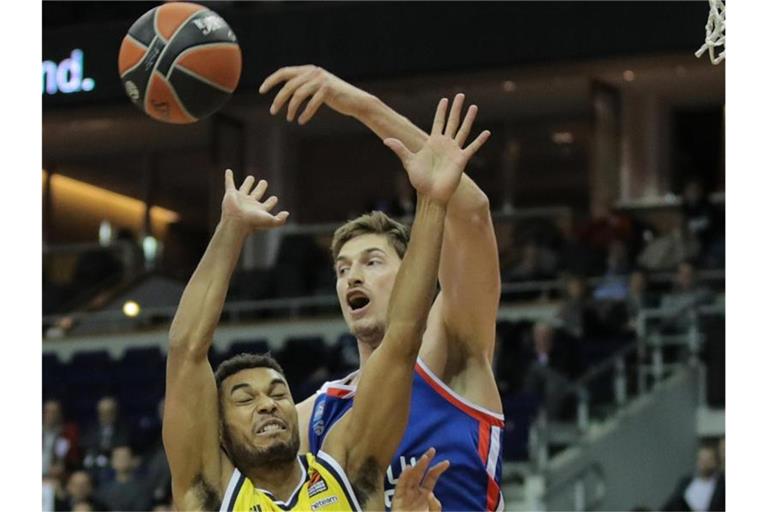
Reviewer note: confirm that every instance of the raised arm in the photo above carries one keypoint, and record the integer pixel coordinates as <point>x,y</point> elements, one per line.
<point>469,265</point>
<point>191,418</point>
<point>367,437</point>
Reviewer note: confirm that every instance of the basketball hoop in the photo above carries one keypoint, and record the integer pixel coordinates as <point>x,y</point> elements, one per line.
<point>715,32</point>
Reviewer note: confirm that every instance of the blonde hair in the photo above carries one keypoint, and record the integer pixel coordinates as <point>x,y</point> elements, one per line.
<point>376,223</point>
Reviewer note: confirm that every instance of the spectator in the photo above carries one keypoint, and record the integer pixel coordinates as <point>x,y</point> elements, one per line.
<point>577,314</point>
<point>80,492</point>
<point>103,436</point>
<point>613,285</point>
<point>670,249</point>
<point>546,374</point>
<point>687,294</point>
<point>54,495</point>
<point>535,262</point>
<point>637,297</point>
<point>704,222</point>
<point>59,440</point>
<point>702,491</point>
<point>127,491</point>
<point>721,453</point>
<point>605,226</point>
<point>158,473</point>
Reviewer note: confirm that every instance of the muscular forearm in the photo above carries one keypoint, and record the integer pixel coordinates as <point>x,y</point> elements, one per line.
<point>416,280</point>
<point>386,122</point>
<point>203,298</point>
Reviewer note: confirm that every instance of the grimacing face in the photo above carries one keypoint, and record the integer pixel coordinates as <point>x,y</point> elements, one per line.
<point>366,268</point>
<point>259,419</point>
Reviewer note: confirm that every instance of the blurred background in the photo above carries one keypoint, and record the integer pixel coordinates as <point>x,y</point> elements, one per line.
<point>606,177</point>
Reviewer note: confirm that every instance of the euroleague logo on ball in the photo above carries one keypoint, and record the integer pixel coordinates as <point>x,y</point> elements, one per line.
<point>179,62</point>
<point>209,23</point>
<point>132,90</point>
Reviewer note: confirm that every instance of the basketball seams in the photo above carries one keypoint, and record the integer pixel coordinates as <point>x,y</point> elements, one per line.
<point>176,97</point>
<point>196,75</point>
<point>165,48</point>
<point>216,44</point>
<point>129,36</point>
<point>140,60</point>
<point>157,29</point>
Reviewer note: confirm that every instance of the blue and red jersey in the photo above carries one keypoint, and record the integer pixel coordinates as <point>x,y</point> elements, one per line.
<point>467,435</point>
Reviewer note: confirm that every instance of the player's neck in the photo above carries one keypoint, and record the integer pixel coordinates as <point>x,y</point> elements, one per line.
<point>280,481</point>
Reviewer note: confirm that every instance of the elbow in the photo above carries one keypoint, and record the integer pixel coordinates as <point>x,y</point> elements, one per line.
<point>472,207</point>
<point>188,345</point>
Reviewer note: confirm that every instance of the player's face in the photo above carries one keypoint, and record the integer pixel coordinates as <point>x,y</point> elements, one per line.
<point>260,424</point>
<point>366,268</point>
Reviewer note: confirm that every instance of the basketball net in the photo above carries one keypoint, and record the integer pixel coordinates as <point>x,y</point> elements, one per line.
<point>715,32</point>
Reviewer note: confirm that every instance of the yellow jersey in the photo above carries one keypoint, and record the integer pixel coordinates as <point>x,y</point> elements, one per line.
<point>324,487</point>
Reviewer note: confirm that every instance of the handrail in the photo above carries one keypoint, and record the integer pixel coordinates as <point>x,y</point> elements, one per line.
<point>255,306</point>
<point>608,364</point>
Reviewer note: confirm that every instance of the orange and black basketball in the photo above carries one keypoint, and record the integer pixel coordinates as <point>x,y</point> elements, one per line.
<point>180,62</point>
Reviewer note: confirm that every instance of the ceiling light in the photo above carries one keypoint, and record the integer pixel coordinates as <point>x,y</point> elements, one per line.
<point>562,137</point>
<point>131,309</point>
<point>629,75</point>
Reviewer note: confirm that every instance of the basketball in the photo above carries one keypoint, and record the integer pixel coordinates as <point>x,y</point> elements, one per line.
<point>180,62</point>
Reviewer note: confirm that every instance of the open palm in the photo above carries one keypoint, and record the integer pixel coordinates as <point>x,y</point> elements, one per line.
<point>435,170</point>
<point>245,206</point>
<point>414,491</point>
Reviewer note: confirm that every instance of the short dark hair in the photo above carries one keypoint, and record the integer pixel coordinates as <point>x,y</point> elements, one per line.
<point>244,362</point>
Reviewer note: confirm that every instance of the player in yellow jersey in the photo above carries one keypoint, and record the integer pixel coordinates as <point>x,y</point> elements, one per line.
<point>232,438</point>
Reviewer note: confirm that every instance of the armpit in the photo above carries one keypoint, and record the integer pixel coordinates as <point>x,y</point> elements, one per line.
<point>366,480</point>
<point>205,495</point>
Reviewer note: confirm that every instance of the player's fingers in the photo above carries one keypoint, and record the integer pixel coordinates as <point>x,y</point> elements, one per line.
<point>259,189</point>
<point>287,90</point>
<point>299,96</point>
<point>281,75</point>
<point>399,148</point>
<point>269,203</point>
<point>245,188</point>
<point>434,503</point>
<point>408,479</point>
<point>229,180</point>
<point>314,103</point>
<point>455,116</point>
<point>477,143</point>
<point>423,463</point>
<point>439,121</point>
<point>280,218</point>
<point>434,474</point>
<point>466,126</point>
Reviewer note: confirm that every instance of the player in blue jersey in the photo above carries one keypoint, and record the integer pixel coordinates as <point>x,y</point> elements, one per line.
<point>455,404</point>
<point>232,438</point>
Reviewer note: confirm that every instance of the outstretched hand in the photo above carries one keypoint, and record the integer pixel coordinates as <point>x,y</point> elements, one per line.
<point>244,205</point>
<point>414,489</point>
<point>435,171</point>
<point>311,83</point>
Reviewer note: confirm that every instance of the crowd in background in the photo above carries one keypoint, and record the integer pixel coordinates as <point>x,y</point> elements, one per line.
<point>604,267</point>
<point>106,465</point>
<point>608,245</point>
